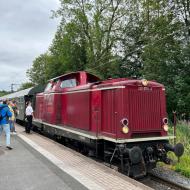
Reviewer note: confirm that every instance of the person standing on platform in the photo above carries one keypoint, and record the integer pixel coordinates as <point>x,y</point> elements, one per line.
<point>16,112</point>
<point>29,117</point>
<point>11,119</point>
<point>5,114</point>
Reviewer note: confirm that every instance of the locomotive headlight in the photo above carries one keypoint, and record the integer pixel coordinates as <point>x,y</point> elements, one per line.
<point>144,82</point>
<point>125,129</point>
<point>165,121</point>
<point>125,121</point>
<point>165,127</point>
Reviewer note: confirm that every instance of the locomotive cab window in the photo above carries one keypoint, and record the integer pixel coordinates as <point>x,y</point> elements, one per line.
<point>92,78</point>
<point>49,86</point>
<point>68,83</point>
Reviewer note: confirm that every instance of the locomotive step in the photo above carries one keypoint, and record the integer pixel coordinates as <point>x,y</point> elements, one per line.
<point>108,153</point>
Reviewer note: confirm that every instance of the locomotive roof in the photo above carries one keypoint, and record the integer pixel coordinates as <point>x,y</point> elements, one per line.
<point>16,94</point>
<point>64,75</point>
<point>73,73</point>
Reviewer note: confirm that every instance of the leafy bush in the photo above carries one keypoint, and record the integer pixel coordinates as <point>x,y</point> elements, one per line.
<point>183,166</point>
<point>182,136</point>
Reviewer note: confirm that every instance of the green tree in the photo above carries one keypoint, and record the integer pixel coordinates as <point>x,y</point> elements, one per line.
<point>100,25</point>
<point>3,93</point>
<point>68,50</point>
<point>38,74</point>
<point>164,55</point>
<point>123,38</point>
<point>181,10</point>
<point>26,85</point>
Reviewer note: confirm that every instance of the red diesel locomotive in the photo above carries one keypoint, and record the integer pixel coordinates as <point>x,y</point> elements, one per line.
<point>122,120</point>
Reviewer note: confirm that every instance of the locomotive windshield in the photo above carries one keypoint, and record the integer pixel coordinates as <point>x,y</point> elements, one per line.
<point>68,83</point>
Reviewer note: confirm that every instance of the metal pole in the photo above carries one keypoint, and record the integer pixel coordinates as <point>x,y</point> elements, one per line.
<point>175,123</point>
<point>12,88</point>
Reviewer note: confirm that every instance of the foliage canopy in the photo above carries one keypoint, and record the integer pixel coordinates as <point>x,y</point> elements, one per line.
<point>123,38</point>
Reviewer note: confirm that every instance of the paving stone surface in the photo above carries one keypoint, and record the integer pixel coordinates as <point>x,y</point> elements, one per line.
<point>88,172</point>
<point>25,169</point>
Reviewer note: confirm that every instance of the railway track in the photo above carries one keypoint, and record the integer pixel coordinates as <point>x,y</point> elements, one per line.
<point>159,183</point>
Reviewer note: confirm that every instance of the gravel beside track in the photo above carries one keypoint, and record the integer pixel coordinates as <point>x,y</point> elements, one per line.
<point>164,179</point>
<point>172,176</point>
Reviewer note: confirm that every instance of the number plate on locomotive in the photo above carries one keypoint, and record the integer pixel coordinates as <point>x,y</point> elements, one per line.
<point>144,88</point>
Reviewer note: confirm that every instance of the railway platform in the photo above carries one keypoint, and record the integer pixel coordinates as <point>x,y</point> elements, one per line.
<point>39,163</point>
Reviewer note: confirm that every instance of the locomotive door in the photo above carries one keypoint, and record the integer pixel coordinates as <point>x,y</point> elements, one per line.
<point>49,108</point>
<point>58,108</point>
<point>109,112</point>
<point>96,112</point>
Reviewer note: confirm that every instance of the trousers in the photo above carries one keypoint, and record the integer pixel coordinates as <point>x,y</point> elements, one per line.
<point>29,124</point>
<point>6,129</point>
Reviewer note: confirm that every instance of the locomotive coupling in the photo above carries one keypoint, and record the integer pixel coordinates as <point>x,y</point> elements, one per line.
<point>178,149</point>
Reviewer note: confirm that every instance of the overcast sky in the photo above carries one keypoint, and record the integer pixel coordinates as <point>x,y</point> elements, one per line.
<point>26,31</point>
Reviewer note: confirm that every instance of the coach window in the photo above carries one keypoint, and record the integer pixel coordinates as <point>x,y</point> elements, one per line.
<point>21,100</point>
<point>68,83</point>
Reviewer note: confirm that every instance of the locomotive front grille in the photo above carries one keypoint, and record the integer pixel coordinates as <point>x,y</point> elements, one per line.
<point>144,110</point>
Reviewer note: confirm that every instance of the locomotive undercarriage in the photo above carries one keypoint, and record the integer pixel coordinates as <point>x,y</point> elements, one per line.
<point>137,159</point>
<point>132,159</point>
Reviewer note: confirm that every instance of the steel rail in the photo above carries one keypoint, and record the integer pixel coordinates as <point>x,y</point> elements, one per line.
<point>169,182</point>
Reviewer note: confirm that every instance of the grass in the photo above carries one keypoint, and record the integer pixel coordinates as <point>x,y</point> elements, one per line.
<point>182,136</point>
<point>183,166</point>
